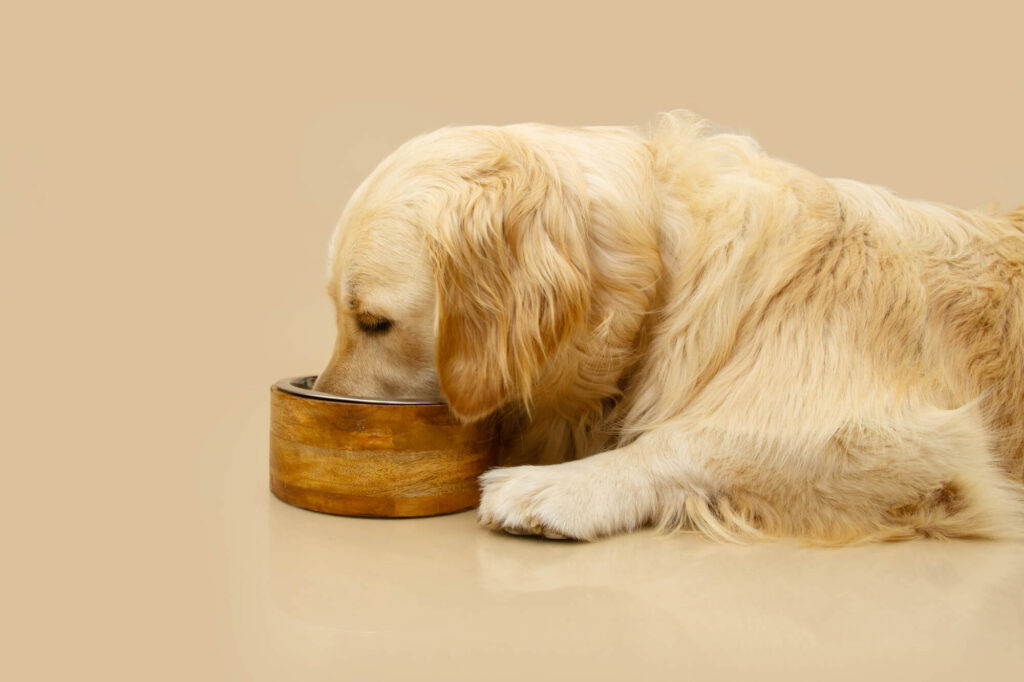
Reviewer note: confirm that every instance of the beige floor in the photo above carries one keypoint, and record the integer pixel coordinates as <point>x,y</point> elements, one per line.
<point>169,177</point>
<point>319,597</point>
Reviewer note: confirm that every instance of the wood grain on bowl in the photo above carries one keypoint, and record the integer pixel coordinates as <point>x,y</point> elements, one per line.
<point>364,459</point>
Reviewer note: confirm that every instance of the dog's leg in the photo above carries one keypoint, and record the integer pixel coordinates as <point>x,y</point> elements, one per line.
<point>926,476</point>
<point>608,493</point>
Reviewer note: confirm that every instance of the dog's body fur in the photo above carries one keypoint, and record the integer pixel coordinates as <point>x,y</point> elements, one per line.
<point>719,340</point>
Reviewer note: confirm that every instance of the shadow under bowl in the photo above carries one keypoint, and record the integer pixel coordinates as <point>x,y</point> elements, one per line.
<point>368,457</point>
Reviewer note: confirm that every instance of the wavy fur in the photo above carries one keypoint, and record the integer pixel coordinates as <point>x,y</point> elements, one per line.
<point>693,334</point>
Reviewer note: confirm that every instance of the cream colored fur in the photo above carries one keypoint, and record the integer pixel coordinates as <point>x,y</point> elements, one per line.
<point>678,330</point>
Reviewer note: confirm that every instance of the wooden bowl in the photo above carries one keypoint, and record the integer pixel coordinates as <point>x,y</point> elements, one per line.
<point>362,457</point>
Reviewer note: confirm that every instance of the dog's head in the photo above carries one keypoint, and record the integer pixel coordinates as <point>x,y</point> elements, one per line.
<point>459,268</point>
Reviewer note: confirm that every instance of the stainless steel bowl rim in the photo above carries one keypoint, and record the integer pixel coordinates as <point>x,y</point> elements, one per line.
<point>300,386</point>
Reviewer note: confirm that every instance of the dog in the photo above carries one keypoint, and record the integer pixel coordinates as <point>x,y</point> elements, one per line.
<point>677,330</point>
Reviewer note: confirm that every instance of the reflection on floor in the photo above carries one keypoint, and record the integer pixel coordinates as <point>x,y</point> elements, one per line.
<point>321,597</point>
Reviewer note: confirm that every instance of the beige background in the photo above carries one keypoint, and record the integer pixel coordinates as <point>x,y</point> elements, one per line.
<point>169,176</point>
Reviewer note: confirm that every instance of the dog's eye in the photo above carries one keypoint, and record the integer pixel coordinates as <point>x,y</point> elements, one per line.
<point>373,324</point>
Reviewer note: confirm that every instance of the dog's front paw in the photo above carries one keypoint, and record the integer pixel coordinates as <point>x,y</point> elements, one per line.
<point>561,501</point>
<point>528,500</point>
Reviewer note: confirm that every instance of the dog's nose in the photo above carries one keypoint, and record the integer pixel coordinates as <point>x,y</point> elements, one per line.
<point>322,383</point>
<point>333,380</point>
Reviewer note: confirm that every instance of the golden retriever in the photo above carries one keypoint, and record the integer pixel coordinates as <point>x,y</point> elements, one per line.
<point>678,330</point>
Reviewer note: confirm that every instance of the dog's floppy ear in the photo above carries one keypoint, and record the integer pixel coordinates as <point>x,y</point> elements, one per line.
<point>512,274</point>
